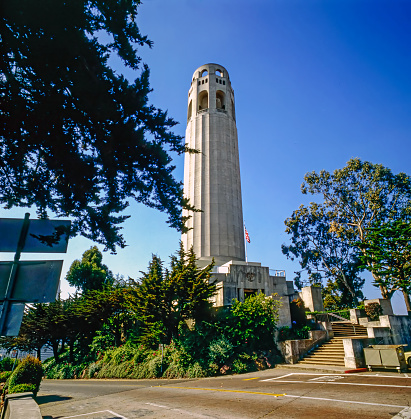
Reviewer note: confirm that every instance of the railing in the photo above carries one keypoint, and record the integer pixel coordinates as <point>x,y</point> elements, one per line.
<point>343,315</point>
<point>275,272</point>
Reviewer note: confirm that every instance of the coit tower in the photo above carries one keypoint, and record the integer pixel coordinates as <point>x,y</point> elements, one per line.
<point>212,176</point>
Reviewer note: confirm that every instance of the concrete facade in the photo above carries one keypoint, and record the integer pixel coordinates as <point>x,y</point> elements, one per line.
<point>212,176</point>
<point>312,298</point>
<point>236,279</point>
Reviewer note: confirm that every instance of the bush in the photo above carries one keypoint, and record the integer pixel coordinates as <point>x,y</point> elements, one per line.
<point>4,376</point>
<point>220,350</point>
<point>29,371</point>
<point>373,311</point>
<point>6,364</point>
<point>288,333</point>
<point>252,323</point>
<point>93,369</point>
<point>24,388</point>
<point>297,311</point>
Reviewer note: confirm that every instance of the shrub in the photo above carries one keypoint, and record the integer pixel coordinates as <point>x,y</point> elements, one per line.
<point>252,323</point>
<point>287,333</point>
<point>6,364</point>
<point>373,311</point>
<point>239,367</point>
<point>23,388</point>
<point>4,376</point>
<point>297,311</point>
<point>29,371</point>
<point>93,369</point>
<point>220,350</point>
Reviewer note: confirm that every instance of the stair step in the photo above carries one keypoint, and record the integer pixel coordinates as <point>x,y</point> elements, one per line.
<point>337,364</point>
<point>332,352</point>
<point>324,357</point>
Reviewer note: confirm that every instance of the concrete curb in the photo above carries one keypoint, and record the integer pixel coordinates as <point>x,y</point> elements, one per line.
<point>320,368</point>
<point>20,405</point>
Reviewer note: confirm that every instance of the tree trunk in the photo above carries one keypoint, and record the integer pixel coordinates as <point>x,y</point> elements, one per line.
<point>71,351</point>
<point>407,300</point>
<point>55,347</point>
<point>39,353</point>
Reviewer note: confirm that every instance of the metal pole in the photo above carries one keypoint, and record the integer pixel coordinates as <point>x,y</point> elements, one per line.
<point>13,272</point>
<point>245,244</point>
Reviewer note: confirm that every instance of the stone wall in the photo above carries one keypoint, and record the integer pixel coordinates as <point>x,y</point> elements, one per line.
<point>294,350</point>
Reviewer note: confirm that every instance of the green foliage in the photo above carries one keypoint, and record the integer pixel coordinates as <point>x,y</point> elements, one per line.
<point>288,333</point>
<point>297,312</point>
<point>4,375</point>
<point>93,369</point>
<point>323,254</point>
<point>64,369</point>
<point>165,299</point>
<point>23,388</point>
<point>90,273</point>
<point>352,200</point>
<point>220,351</point>
<point>373,311</point>
<point>6,364</point>
<point>29,371</point>
<point>252,323</point>
<point>77,137</point>
<point>387,254</point>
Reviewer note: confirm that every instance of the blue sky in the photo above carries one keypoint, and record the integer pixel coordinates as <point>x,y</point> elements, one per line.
<point>316,83</point>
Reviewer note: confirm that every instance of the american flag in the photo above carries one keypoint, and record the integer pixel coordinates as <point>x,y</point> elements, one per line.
<point>247,237</point>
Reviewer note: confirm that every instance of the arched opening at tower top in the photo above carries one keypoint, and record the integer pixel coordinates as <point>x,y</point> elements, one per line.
<point>203,100</point>
<point>204,73</point>
<point>220,99</point>
<point>219,73</point>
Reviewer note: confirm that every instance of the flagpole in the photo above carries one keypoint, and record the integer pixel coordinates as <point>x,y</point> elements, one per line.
<point>245,244</point>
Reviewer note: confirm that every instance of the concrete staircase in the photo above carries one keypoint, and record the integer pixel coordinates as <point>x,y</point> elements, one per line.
<point>332,351</point>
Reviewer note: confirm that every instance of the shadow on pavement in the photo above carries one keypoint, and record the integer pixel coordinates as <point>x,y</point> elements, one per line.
<point>50,399</point>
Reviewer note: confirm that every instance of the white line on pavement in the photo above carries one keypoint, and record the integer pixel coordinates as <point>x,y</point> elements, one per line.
<point>315,373</point>
<point>342,401</point>
<point>196,415</point>
<point>92,413</point>
<point>341,383</point>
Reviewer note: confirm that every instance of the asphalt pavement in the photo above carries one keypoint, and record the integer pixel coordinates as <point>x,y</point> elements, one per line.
<point>275,393</point>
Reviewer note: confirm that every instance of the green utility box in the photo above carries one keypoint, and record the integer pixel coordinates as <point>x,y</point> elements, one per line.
<point>385,356</point>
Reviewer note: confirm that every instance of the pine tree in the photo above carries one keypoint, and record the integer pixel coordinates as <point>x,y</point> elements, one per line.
<point>77,138</point>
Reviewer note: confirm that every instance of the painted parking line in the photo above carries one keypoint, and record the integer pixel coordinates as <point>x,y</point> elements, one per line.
<point>299,373</point>
<point>344,384</point>
<point>332,379</point>
<point>185,412</point>
<point>285,395</point>
<point>94,413</point>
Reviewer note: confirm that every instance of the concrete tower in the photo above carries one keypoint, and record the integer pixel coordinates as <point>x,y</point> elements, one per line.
<point>212,177</point>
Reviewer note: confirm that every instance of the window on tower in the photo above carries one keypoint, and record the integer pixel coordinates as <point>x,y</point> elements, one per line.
<point>203,100</point>
<point>220,99</point>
